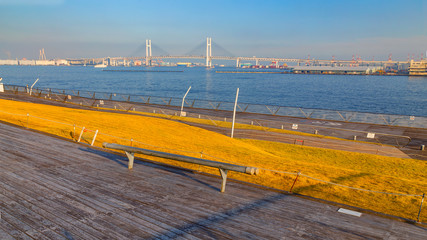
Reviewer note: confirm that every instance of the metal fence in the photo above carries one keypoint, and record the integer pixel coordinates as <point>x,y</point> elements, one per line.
<point>308,113</point>
<point>279,117</point>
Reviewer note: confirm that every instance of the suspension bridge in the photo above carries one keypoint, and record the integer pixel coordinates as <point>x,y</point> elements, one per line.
<point>149,58</point>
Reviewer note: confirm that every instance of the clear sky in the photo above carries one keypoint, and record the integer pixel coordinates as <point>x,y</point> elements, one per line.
<point>273,28</point>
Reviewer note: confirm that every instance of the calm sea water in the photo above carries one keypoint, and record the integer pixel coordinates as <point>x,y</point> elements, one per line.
<point>400,95</point>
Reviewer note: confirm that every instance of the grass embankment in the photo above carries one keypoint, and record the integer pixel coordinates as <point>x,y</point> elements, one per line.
<point>225,124</point>
<point>378,173</point>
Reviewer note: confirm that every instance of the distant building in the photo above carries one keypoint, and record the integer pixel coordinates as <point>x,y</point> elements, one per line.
<point>360,70</point>
<point>418,68</point>
<point>45,62</point>
<point>61,62</point>
<point>8,62</point>
<point>25,62</point>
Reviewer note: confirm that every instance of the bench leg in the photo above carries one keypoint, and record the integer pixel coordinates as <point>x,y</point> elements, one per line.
<point>131,157</point>
<point>223,173</point>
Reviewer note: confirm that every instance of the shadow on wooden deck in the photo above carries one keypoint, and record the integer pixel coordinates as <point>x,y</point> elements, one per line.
<point>122,161</point>
<point>203,224</point>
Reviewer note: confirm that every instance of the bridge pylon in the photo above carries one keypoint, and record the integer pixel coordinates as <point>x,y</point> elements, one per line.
<point>42,55</point>
<point>148,54</point>
<point>208,52</point>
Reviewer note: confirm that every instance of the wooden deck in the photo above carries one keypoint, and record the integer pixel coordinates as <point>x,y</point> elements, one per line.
<point>55,189</point>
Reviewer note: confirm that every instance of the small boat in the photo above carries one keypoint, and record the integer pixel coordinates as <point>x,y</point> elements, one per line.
<point>183,64</point>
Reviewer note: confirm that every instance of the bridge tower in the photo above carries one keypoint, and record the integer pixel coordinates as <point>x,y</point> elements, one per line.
<point>42,55</point>
<point>208,52</point>
<point>148,52</point>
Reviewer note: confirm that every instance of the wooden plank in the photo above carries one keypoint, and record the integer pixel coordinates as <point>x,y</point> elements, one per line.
<point>76,191</point>
<point>110,209</point>
<point>12,230</point>
<point>196,219</point>
<point>159,218</point>
<point>38,223</point>
<point>18,228</point>
<point>102,196</point>
<point>5,235</point>
<point>63,228</point>
<point>67,217</point>
<point>181,225</point>
<point>67,199</point>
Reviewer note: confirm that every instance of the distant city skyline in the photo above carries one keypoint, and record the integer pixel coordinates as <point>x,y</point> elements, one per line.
<point>288,29</point>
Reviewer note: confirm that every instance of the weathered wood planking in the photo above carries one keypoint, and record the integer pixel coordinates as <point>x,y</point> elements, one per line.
<point>55,189</point>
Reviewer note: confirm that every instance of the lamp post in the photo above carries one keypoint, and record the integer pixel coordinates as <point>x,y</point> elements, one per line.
<point>1,85</point>
<point>234,113</point>
<point>182,105</point>
<point>31,89</point>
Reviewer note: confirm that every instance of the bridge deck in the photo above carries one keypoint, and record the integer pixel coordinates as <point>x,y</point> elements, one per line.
<point>55,189</point>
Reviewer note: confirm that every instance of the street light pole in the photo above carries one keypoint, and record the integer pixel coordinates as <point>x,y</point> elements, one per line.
<point>234,113</point>
<point>182,105</point>
<point>1,85</point>
<point>31,89</point>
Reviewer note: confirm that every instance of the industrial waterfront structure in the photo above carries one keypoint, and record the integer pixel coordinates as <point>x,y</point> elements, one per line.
<point>418,68</point>
<point>359,70</point>
<point>42,61</point>
<point>23,62</point>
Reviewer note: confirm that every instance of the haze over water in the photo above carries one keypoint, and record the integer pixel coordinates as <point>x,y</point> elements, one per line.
<point>401,95</point>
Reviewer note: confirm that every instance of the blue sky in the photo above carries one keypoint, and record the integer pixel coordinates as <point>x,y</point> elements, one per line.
<point>275,28</point>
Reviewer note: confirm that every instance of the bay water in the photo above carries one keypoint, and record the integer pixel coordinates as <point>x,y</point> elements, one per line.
<point>400,95</point>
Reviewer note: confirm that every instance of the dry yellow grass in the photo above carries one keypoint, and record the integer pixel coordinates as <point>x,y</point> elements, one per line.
<point>382,174</point>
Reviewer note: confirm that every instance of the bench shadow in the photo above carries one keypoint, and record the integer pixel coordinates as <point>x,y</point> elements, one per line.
<point>204,224</point>
<point>123,162</point>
